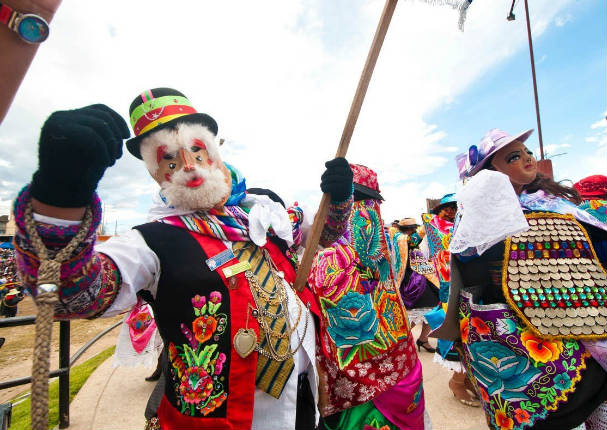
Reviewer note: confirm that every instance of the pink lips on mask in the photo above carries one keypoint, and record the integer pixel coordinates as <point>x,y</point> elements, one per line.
<point>195,182</point>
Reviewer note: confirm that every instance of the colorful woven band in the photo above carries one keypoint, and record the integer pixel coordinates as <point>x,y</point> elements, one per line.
<point>153,111</point>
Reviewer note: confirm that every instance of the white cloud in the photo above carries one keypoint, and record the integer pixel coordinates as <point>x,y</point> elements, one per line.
<point>278,77</point>
<point>560,21</point>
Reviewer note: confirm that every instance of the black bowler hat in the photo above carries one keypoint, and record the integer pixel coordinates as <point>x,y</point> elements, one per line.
<point>159,108</point>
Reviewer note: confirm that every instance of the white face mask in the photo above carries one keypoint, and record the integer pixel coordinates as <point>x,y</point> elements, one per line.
<point>185,162</point>
<point>211,193</point>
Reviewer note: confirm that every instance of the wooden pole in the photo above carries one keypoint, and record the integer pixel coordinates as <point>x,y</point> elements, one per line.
<point>342,149</point>
<point>537,104</point>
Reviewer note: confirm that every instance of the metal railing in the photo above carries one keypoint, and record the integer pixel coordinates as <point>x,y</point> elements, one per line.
<point>65,362</point>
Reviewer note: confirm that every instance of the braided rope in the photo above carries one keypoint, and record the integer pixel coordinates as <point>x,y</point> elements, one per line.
<point>49,275</point>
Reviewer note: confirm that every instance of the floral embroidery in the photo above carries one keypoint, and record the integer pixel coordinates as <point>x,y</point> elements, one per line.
<point>503,421</point>
<point>521,378</point>
<point>464,328</point>
<point>364,339</point>
<point>501,371</point>
<point>352,321</point>
<point>198,365</point>
<point>562,381</point>
<point>539,349</point>
<point>521,415</point>
<point>481,328</point>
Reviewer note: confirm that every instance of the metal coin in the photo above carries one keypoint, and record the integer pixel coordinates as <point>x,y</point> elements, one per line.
<point>523,270</point>
<point>547,322</point>
<point>574,268</point>
<point>578,322</point>
<point>563,268</point>
<point>513,270</point>
<point>555,276</point>
<point>557,322</point>
<point>535,277</point>
<point>525,284</point>
<point>581,268</point>
<point>566,284</point>
<point>587,329</point>
<point>545,276</point>
<point>536,322</point>
<point>565,330</point>
<point>535,283</point>
<point>600,320</point>
<point>514,277</point>
<point>529,312</point>
<point>553,331</point>
<point>558,261</point>
<point>533,269</point>
<point>571,312</point>
<point>532,222</point>
<point>541,221</point>
<point>540,313</point>
<point>565,276</point>
<point>589,282</point>
<point>589,321</point>
<point>512,263</point>
<point>551,313</point>
<point>560,313</point>
<point>576,330</point>
<point>602,311</point>
<point>598,329</point>
<point>526,277</point>
<point>582,312</point>
<point>593,312</point>
<point>586,275</point>
<point>543,269</point>
<point>512,284</point>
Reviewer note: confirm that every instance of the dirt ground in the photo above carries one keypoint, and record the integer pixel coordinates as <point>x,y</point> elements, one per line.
<point>16,354</point>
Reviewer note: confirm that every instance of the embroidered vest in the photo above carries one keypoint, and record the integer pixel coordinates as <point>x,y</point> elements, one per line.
<point>523,355</point>
<point>365,347</point>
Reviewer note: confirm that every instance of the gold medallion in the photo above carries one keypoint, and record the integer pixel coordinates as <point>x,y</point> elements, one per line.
<point>245,341</point>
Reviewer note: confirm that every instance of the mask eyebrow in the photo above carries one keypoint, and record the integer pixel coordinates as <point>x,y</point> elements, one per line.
<point>199,143</point>
<point>160,151</point>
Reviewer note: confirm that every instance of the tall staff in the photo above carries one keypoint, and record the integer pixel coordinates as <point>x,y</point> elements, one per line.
<point>342,149</point>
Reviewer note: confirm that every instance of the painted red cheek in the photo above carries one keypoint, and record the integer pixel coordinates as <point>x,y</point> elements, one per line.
<point>160,153</point>
<point>210,162</point>
<point>167,176</point>
<point>199,143</point>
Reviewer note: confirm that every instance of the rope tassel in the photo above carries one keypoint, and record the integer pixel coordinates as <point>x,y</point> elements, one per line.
<point>49,276</point>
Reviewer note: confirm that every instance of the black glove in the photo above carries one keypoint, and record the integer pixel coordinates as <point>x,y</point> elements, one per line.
<point>75,148</point>
<point>337,179</point>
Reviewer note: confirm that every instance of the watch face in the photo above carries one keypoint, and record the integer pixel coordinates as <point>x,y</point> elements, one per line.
<point>32,29</point>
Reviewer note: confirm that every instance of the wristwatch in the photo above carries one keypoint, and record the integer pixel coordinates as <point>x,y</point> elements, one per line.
<point>30,27</point>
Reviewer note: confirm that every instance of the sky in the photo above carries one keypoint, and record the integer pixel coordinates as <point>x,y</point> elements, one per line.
<point>279,78</point>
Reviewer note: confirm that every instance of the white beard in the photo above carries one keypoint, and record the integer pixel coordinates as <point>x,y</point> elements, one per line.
<point>209,194</point>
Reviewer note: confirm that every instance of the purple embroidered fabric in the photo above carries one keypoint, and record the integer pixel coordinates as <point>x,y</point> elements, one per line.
<point>521,378</point>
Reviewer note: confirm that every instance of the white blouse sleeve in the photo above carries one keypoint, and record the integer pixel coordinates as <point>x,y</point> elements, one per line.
<point>139,268</point>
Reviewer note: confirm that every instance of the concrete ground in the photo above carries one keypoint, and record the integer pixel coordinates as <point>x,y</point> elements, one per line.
<point>116,397</point>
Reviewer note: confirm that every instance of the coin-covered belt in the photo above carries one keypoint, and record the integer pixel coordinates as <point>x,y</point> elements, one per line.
<point>553,280</point>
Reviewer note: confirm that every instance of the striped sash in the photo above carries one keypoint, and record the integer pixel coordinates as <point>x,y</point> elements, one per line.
<point>272,375</point>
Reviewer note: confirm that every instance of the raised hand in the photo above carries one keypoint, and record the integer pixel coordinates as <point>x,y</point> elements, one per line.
<point>75,149</point>
<point>337,179</point>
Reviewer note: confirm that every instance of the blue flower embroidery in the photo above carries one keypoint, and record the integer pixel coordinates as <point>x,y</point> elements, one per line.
<point>562,381</point>
<point>501,371</point>
<point>505,326</point>
<point>352,321</point>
